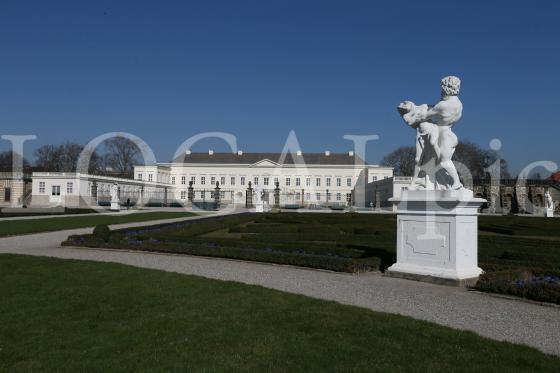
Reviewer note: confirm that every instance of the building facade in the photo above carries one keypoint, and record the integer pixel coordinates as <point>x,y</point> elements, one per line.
<point>69,189</point>
<point>303,179</point>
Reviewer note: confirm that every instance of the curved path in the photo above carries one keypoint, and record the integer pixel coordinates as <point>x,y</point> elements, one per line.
<point>497,318</point>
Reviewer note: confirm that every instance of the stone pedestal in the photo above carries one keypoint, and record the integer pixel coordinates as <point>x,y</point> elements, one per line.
<point>115,206</point>
<point>437,237</point>
<point>259,207</point>
<point>549,212</point>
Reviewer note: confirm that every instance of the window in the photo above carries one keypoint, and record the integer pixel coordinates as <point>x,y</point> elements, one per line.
<point>42,186</point>
<point>139,177</point>
<point>7,194</point>
<point>202,194</point>
<point>55,190</point>
<point>329,196</point>
<point>69,187</point>
<point>275,180</point>
<point>203,180</point>
<point>193,179</point>
<point>386,177</point>
<point>184,180</point>
<point>338,196</point>
<point>318,196</point>
<point>232,181</point>
<point>374,178</point>
<point>150,177</point>
<point>308,182</point>
<point>265,181</point>
<point>307,196</point>
<point>338,182</point>
<point>242,180</point>
<point>298,181</point>
<point>222,180</point>
<point>298,196</point>
<point>349,181</point>
<point>183,194</point>
<point>256,180</point>
<point>173,180</point>
<point>213,180</point>
<point>328,181</point>
<point>222,194</point>
<point>318,181</point>
<point>288,181</point>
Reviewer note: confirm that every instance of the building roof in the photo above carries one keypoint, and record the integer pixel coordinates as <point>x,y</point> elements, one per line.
<point>555,177</point>
<point>252,158</point>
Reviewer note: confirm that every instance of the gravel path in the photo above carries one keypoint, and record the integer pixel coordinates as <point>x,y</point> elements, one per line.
<point>501,319</point>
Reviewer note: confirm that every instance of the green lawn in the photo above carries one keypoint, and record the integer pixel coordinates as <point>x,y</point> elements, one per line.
<point>14,227</point>
<point>62,315</point>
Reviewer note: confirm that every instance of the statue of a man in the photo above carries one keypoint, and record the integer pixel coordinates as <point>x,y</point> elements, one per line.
<point>114,192</point>
<point>548,200</point>
<point>435,141</point>
<point>258,194</point>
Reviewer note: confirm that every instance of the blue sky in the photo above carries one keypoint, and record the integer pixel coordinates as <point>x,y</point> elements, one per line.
<point>168,70</point>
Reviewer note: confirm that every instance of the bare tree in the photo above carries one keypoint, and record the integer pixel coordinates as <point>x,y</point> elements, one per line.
<point>402,160</point>
<point>471,155</point>
<point>7,159</point>
<point>64,158</point>
<point>477,160</point>
<point>121,155</point>
<point>47,158</point>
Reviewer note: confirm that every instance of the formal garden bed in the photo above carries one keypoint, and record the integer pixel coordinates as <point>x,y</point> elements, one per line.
<point>520,255</point>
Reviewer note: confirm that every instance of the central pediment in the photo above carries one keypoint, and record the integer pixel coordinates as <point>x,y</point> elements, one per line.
<point>265,163</point>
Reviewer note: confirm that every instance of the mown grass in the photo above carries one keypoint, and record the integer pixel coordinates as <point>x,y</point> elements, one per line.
<point>15,227</point>
<point>75,316</point>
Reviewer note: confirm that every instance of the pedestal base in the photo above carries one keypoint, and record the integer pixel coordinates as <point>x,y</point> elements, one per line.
<point>549,213</point>
<point>115,206</point>
<point>437,237</point>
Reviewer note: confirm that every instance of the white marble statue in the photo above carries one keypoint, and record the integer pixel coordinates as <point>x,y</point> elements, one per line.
<point>115,205</point>
<point>258,202</point>
<point>435,141</point>
<point>548,200</point>
<point>549,204</point>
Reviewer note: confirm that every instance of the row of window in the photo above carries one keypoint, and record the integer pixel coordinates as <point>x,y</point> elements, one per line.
<point>55,189</point>
<point>297,181</point>
<point>150,177</point>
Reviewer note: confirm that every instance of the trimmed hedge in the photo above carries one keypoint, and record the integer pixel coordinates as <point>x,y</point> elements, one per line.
<point>536,285</point>
<point>102,232</point>
<point>327,262</point>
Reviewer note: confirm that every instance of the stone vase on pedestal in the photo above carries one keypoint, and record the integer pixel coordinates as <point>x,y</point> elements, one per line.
<point>437,236</point>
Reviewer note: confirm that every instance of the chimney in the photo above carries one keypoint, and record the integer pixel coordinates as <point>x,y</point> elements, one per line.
<point>299,153</point>
<point>327,153</point>
<point>188,152</point>
<point>350,153</point>
<point>240,152</point>
<point>210,152</point>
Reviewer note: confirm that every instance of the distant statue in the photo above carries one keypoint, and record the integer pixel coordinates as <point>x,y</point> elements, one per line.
<point>258,195</point>
<point>548,200</point>
<point>115,192</point>
<point>115,203</point>
<point>435,141</point>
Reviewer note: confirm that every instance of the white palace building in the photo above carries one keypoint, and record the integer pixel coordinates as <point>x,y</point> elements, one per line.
<point>304,179</point>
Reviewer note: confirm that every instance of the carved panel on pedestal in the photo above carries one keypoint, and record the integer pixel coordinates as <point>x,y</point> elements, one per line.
<point>426,240</point>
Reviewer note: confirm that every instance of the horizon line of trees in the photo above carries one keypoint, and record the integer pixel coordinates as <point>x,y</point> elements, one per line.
<point>118,156</point>
<point>115,157</point>
<point>475,158</point>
